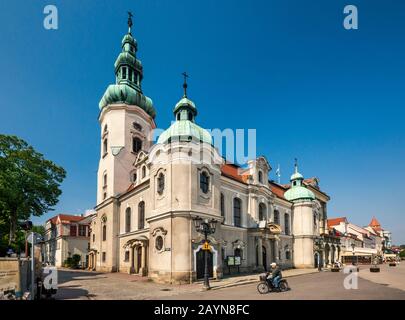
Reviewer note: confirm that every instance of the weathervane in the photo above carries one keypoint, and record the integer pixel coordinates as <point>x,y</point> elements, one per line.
<point>130,15</point>
<point>278,174</point>
<point>185,75</point>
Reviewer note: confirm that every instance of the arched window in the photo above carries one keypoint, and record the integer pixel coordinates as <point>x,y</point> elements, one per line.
<point>105,179</point>
<point>143,172</point>
<point>137,126</point>
<point>161,183</point>
<point>286,223</point>
<point>276,217</point>
<point>222,205</point>
<point>134,176</point>
<point>124,73</point>
<point>260,177</point>
<point>238,252</point>
<point>287,255</point>
<point>128,220</point>
<point>104,232</point>
<point>204,182</point>
<point>237,216</point>
<point>141,215</point>
<point>136,144</point>
<point>190,116</point>
<point>105,146</point>
<point>262,211</point>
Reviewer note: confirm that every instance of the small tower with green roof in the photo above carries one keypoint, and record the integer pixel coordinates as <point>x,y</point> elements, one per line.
<point>303,220</point>
<point>184,127</point>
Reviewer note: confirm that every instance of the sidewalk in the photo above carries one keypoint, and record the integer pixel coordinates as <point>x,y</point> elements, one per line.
<point>252,278</point>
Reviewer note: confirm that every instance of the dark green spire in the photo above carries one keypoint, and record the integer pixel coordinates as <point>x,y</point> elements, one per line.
<point>129,74</point>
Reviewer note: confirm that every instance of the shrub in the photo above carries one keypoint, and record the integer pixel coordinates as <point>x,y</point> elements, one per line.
<point>75,260</point>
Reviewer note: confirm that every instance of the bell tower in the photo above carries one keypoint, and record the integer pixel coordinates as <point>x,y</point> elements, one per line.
<point>303,220</point>
<point>126,121</point>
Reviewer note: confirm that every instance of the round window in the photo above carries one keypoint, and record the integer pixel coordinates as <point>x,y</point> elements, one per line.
<point>159,243</point>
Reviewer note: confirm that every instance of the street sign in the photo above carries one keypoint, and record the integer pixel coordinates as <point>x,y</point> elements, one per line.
<point>206,246</point>
<point>37,238</point>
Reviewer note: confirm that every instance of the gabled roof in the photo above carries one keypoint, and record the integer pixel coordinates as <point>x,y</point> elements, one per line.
<point>336,221</point>
<point>63,218</point>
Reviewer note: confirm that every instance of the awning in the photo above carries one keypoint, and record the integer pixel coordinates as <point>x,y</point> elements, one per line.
<point>357,254</point>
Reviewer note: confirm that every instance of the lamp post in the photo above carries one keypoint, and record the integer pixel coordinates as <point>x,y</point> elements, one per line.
<point>318,243</point>
<point>205,227</point>
<point>353,246</point>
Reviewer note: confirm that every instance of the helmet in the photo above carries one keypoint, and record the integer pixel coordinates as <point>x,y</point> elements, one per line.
<point>273,265</point>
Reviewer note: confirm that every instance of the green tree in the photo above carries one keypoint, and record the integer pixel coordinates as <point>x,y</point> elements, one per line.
<point>29,183</point>
<point>39,229</point>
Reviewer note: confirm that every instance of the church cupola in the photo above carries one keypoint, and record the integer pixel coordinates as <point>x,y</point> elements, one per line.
<point>185,109</point>
<point>297,191</point>
<point>129,74</point>
<point>185,128</point>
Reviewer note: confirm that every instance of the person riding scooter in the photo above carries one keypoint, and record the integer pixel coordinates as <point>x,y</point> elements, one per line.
<point>275,276</point>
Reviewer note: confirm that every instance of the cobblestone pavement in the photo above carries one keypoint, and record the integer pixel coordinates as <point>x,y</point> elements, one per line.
<point>393,277</point>
<point>79,284</point>
<point>319,286</point>
<point>305,284</point>
<point>85,285</point>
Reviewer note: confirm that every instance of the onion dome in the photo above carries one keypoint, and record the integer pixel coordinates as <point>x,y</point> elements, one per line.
<point>129,74</point>
<point>185,128</point>
<point>298,192</point>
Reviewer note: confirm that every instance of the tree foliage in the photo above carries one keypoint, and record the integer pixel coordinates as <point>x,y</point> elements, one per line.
<point>29,184</point>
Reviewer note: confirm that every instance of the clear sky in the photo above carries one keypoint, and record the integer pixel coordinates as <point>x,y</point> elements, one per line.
<point>331,97</point>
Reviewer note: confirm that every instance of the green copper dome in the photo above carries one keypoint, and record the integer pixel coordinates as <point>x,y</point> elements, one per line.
<point>185,130</point>
<point>298,192</point>
<point>185,103</point>
<point>128,38</point>
<point>121,93</point>
<point>296,176</point>
<point>129,74</point>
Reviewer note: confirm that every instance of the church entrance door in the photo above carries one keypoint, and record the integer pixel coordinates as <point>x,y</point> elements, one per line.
<point>200,264</point>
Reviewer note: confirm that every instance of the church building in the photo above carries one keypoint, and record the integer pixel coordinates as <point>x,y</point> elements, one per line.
<point>149,195</point>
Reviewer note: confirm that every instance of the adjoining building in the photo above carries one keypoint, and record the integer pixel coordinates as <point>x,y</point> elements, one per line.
<point>359,245</point>
<point>66,235</point>
<point>148,195</point>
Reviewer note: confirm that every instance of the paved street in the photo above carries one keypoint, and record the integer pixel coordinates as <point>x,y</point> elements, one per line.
<point>325,285</point>
<point>86,285</point>
<point>319,286</point>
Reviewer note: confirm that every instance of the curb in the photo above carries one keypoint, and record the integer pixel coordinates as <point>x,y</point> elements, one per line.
<point>250,281</point>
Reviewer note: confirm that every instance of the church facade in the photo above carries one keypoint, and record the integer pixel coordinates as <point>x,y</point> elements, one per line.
<point>148,195</point>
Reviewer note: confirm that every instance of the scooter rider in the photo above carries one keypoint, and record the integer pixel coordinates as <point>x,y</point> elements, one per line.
<point>275,275</point>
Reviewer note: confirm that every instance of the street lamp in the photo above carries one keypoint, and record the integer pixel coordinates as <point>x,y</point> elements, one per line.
<point>205,227</point>
<point>319,247</point>
<point>353,246</point>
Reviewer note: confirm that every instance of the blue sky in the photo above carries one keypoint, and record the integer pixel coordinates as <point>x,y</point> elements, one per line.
<point>331,97</point>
